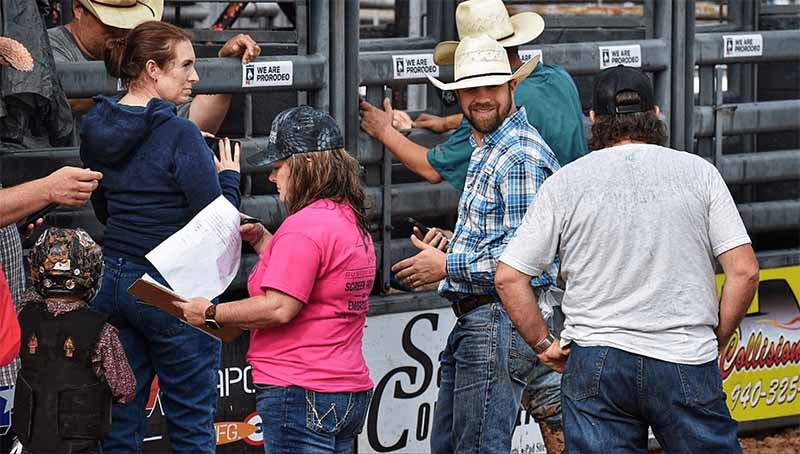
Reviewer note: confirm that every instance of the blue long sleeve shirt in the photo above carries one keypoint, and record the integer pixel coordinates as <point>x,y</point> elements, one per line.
<point>157,170</point>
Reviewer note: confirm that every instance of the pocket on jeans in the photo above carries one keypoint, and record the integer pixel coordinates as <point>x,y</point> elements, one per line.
<point>581,378</point>
<point>702,384</point>
<point>522,359</point>
<point>327,413</point>
<point>478,319</point>
<point>159,321</point>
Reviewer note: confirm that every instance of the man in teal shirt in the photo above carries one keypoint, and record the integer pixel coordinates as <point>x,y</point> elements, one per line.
<point>553,107</point>
<point>550,99</point>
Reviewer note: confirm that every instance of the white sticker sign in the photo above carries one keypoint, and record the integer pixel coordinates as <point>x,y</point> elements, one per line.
<point>414,66</point>
<point>526,55</point>
<point>611,56</point>
<point>742,45</point>
<point>267,74</point>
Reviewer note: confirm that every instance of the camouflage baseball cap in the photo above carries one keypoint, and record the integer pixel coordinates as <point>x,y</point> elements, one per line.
<point>66,262</point>
<point>300,129</point>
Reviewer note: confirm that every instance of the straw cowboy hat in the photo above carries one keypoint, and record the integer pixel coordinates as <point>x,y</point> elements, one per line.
<point>124,13</point>
<point>475,17</point>
<point>14,54</point>
<point>481,61</point>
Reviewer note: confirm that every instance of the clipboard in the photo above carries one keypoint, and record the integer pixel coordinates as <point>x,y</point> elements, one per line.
<point>161,297</point>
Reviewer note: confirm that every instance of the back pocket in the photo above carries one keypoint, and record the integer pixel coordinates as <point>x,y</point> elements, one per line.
<point>581,379</point>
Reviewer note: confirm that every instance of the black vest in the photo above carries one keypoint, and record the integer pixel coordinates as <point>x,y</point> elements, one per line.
<point>58,399</point>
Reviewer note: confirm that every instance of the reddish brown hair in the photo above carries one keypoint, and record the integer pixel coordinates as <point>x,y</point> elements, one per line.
<point>126,57</point>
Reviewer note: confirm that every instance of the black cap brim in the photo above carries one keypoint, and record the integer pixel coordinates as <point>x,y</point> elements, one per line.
<point>269,156</point>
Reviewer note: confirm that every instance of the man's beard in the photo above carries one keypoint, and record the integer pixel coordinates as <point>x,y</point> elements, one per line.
<point>488,123</point>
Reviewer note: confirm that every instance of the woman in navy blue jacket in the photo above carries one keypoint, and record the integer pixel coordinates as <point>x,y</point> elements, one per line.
<point>158,173</point>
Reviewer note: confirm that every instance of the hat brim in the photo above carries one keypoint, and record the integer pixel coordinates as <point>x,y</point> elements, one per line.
<point>125,17</point>
<point>527,27</point>
<point>268,157</point>
<point>484,81</point>
<point>15,54</point>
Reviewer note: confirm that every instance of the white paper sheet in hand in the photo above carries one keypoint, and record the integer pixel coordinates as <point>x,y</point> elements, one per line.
<point>202,258</point>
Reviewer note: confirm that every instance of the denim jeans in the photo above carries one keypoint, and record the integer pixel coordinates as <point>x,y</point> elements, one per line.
<point>295,420</point>
<point>542,395</point>
<point>156,343</point>
<point>610,397</point>
<point>484,368</point>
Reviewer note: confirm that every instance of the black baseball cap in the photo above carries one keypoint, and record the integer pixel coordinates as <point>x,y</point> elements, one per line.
<point>300,129</point>
<point>612,81</point>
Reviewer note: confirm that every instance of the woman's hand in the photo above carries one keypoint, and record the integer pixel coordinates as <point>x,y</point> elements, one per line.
<point>257,235</point>
<point>194,310</point>
<point>228,159</point>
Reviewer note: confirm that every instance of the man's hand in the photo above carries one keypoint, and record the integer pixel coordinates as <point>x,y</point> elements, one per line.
<point>429,266</point>
<point>555,357</point>
<point>434,237</point>
<point>374,121</point>
<point>71,186</point>
<point>241,45</point>
<point>194,310</point>
<point>401,120</point>
<point>433,122</point>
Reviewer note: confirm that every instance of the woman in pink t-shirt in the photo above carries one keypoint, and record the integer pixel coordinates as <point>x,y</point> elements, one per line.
<point>309,292</point>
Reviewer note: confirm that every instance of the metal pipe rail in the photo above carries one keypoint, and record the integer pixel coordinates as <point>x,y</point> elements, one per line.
<point>579,59</point>
<point>778,45</point>
<point>761,167</point>
<point>217,75</point>
<point>748,118</point>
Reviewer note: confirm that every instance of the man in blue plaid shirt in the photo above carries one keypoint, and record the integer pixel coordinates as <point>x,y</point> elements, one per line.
<point>486,364</point>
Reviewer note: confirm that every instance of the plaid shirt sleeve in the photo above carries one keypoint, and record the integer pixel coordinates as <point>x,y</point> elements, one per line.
<point>517,182</point>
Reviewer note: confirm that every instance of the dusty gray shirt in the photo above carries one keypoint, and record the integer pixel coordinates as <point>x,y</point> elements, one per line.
<point>637,228</point>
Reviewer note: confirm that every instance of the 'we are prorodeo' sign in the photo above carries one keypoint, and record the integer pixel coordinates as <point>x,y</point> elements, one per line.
<point>414,66</point>
<point>742,46</point>
<point>630,55</point>
<point>267,74</point>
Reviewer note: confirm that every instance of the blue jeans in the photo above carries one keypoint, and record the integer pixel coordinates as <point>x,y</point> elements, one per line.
<point>484,368</point>
<point>295,420</point>
<point>542,396</point>
<point>156,343</point>
<point>610,397</point>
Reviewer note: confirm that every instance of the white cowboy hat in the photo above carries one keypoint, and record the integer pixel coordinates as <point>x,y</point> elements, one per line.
<point>481,61</point>
<point>14,54</point>
<point>475,17</point>
<point>125,14</point>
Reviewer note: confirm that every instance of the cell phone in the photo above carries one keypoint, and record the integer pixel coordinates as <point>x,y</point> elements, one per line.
<point>422,227</point>
<point>244,221</point>
<point>22,227</point>
<point>213,143</point>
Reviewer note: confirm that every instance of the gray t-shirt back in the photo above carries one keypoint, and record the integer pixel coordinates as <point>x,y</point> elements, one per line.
<point>637,228</point>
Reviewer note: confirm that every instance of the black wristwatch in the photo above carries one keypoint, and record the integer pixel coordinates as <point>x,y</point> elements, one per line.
<point>211,320</point>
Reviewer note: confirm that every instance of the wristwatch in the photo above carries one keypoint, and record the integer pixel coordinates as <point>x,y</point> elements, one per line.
<point>539,348</point>
<point>211,314</point>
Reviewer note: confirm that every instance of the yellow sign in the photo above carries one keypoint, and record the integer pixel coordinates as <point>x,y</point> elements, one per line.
<point>761,364</point>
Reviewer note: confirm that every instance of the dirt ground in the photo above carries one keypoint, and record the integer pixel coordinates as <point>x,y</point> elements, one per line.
<point>783,441</point>
<point>780,441</point>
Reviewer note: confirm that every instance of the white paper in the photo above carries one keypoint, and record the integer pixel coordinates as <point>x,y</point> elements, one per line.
<point>202,258</point>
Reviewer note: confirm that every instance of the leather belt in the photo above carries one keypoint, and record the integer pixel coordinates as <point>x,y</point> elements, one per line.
<point>463,305</point>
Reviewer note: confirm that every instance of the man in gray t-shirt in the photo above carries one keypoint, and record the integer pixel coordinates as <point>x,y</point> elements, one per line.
<point>637,227</point>
<point>94,23</point>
